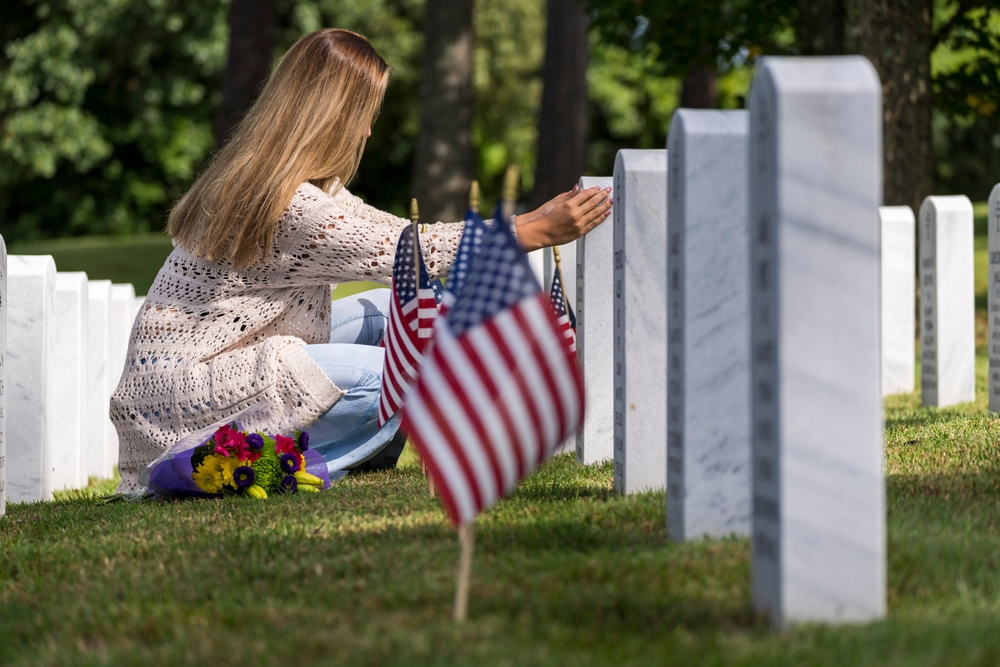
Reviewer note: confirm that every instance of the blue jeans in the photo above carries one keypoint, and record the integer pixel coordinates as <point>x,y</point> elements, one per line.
<point>348,434</point>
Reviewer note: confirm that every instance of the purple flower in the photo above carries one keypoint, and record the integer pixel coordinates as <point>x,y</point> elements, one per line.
<point>289,484</point>
<point>289,463</point>
<point>255,442</point>
<point>244,477</point>
<point>304,441</point>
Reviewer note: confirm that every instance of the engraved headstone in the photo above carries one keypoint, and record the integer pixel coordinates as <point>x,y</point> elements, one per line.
<point>640,320</point>
<point>122,312</point>
<point>819,544</point>
<point>3,377</point>
<point>708,306</point>
<point>993,298</point>
<point>947,302</point>
<point>899,276</point>
<point>99,426</point>
<point>536,259</point>
<point>70,392</point>
<point>31,412</point>
<point>594,331</point>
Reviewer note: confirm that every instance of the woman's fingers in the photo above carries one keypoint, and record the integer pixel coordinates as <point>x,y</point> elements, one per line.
<point>596,215</point>
<point>584,196</point>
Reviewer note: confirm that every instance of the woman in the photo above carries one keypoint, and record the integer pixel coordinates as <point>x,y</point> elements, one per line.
<point>240,314</point>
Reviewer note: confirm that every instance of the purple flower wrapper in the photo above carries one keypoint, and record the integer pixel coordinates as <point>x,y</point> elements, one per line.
<point>170,475</point>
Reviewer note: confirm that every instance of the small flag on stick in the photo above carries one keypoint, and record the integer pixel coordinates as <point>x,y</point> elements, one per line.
<point>468,248</point>
<point>499,390</point>
<point>411,320</point>
<point>560,305</point>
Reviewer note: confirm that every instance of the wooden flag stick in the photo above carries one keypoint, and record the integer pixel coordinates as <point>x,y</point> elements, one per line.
<point>511,183</point>
<point>466,537</point>
<point>474,197</point>
<point>415,219</point>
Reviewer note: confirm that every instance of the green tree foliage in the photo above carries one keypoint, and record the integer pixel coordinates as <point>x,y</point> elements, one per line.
<point>713,33</point>
<point>965,67</point>
<point>101,108</point>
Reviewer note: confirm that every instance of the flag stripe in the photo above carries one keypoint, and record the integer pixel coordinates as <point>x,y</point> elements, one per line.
<point>543,388</point>
<point>493,367</point>
<point>459,434</point>
<point>468,421</point>
<point>540,396</point>
<point>440,461</point>
<point>530,442</point>
<point>494,399</point>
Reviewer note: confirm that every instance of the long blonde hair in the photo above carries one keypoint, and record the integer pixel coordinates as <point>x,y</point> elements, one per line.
<point>309,124</point>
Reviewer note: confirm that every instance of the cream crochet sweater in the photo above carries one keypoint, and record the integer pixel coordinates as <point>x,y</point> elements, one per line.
<point>212,340</point>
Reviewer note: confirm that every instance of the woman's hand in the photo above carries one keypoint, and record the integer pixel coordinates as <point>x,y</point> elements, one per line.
<point>570,217</point>
<point>545,208</point>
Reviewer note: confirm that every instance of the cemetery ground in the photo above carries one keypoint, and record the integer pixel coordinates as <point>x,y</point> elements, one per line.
<point>565,572</point>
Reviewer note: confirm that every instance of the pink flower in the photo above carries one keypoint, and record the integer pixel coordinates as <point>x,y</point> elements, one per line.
<point>224,436</point>
<point>284,445</point>
<point>220,450</point>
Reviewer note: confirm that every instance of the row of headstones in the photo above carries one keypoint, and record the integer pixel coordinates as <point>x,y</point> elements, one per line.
<point>63,343</point>
<point>742,317</point>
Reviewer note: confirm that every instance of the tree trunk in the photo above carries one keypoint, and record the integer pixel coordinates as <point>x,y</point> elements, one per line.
<point>700,90</point>
<point>442,166</point>
<point>822,26</point>
<point>896,36</point>
<point>253,26</point>
<point>564,119</point>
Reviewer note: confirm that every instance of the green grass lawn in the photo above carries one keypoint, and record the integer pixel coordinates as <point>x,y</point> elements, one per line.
<point>565,573</point>
<point>129,259</point>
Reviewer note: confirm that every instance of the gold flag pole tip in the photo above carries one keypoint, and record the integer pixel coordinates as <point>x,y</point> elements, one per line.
<point>474,197</point>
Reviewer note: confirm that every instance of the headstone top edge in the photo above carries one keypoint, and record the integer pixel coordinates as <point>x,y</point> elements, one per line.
<point>120,289</point>
<point>595,181</point>
<point>887,213</point>
<point>70,278</point>
<point>28,264</point>
<point>820,74</point>
<point>100,282</point>
<point>942,203</point>
<point>711,121</point>
<point>640,158</point>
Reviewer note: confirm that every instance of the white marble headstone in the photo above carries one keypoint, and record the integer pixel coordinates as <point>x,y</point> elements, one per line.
<point>99,426</point>
<point>899,294</point>
<point>594,331</point>
<point>536,259</point>
<point>3,376</point>
<point>31,412</point>
<point>640,320</point>
<point>708,306</point>
<point>947,302</point>
<point>819,543</point>
<point>122,318</point>
<point>993,298</point>
<point>69,467</point>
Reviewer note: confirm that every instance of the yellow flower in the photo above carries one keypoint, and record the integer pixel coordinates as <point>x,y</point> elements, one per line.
<point>215,473</point>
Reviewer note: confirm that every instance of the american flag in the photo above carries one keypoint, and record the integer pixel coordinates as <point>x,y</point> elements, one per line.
<point>468,248</point>
<point>566,319</point>
<point>411,323</point>
<point>498,390</point>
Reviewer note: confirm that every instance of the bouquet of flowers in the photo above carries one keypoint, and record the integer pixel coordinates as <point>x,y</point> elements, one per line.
<point>231,461</point>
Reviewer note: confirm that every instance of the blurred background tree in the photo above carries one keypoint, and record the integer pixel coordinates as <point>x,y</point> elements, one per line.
<point>109,108</point>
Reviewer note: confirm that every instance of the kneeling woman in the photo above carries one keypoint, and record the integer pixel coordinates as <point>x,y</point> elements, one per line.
<point>240,314</point>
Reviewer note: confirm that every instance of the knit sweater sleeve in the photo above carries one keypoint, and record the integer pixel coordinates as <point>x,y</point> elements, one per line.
<point>342,239</point>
